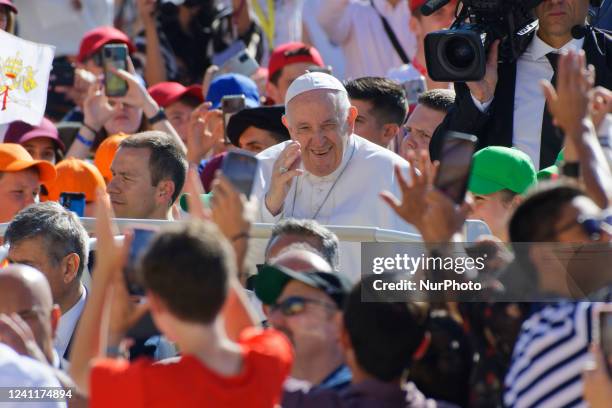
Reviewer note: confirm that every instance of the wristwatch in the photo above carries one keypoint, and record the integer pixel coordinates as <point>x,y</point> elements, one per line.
<point>158,117</point>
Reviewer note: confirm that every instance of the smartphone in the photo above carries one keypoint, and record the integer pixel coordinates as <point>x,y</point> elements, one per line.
<point>230,105</point>
<point>62,73</point>
<point>114,55</point>
<point>142,236</point>
<point>414,88</point>
<point>455,165</point>
<point>74,202</point>
<point>602,332</point>
<point>240,168</point>
<point>235,59</point>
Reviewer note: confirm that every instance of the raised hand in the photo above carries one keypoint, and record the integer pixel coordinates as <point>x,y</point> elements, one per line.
<point>284,170</point>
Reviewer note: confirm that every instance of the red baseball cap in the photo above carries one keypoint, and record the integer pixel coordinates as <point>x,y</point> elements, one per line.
<point>9,4</point>
<point>291,53</point>
<point>20,132</point>
<point>97,38</point>
<point>166,93</point>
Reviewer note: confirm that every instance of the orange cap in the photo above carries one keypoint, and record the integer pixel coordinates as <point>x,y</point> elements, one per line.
<point>106,153</point>
<point>14,157</point>
<point>75,176</point>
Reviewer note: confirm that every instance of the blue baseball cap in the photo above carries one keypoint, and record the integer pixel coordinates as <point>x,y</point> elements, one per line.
<point>232,84</point>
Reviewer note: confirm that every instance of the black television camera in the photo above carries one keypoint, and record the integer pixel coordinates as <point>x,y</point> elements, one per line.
<point>459,53</point>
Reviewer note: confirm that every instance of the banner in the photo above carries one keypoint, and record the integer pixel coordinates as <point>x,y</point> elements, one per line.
<point>24,79</point>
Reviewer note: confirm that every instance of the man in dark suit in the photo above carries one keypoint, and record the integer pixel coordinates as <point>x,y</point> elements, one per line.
<point>507,107</point>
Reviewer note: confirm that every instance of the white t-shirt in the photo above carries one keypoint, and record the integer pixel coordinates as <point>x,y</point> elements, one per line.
<point>20,371</point>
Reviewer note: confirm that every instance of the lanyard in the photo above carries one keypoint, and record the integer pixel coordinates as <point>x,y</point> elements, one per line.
<point>267,23</point>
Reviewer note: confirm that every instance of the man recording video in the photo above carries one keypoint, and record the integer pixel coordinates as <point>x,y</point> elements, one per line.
<point>507,106</point>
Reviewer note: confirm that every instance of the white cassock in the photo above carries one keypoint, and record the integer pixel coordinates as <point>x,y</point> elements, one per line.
<point>349,196</point>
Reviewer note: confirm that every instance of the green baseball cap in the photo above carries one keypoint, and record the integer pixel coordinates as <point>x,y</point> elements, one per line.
<point>496,168</point>
<point>551,172</point>
<point>271,280</point>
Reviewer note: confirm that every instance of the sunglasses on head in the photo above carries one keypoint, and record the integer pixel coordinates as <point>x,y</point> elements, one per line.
<point>595,226</point>
<point>295,305</point>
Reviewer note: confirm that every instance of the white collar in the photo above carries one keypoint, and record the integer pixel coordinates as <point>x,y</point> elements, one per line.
<point>538,48</point>
<point>67,324</point>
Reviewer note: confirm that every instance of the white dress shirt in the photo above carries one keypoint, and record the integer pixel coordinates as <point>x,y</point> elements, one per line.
<point>366,170</point>
<point>529,101</point>
<point>357,28</point>
<point>18,371</point>
<point>67,324</point>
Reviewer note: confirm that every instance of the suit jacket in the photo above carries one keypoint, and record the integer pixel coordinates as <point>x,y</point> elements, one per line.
<point>495,126</point>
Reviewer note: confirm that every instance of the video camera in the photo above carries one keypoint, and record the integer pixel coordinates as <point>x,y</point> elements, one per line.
<point>459,53</point>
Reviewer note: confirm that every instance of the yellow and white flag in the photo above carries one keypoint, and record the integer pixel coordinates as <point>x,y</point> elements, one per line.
<point>24,79</point>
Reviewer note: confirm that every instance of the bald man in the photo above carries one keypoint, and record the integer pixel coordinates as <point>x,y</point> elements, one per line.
<point>26,292</point>
<point>303,299</point>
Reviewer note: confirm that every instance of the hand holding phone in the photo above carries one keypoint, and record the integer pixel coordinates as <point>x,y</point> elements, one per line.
<point>455,165</point>
<point>230,105</point>
<point>114,55</point>
<point>240,168</point>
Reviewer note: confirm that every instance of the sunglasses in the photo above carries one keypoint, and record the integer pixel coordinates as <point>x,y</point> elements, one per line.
<point>295,305</point>
<point>592,226</point>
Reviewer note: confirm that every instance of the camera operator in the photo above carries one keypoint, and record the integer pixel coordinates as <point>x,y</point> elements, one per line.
<point>507,107</point>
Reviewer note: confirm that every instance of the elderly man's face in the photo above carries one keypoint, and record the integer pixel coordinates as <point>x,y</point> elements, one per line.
<point>320,125</point>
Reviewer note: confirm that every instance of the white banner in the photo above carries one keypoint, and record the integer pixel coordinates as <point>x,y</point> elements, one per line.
<point>24,79</point>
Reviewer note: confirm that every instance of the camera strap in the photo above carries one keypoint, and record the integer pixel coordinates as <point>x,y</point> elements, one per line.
<point>394,41</point>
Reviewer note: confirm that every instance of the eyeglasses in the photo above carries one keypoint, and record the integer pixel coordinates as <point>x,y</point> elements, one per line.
<point>592,226</point>
<point>295,305</point>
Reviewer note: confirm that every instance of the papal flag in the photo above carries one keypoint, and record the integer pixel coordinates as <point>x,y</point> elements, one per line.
<point>24,79</point>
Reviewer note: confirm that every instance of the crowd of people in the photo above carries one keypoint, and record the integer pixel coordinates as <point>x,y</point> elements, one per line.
<point>342,137</point>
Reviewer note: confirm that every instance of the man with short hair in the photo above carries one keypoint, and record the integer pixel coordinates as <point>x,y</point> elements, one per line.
<point>196,302</point>
<point>422,25</point>
<point>431,108</point>
<point>303,298</point>
<point>291,231</point>
<point>288,62</point>
<point>499,178</point>
<point>20,179</point>
<point>382,107</point>
<point>256,129</point>
<point>26,292</point>
<point>379,340</point>
<point>149,171</point>
<point>51,239</point>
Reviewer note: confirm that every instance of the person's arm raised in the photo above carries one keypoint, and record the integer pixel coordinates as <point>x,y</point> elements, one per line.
<point>569,106</point>
<point>154,68</point>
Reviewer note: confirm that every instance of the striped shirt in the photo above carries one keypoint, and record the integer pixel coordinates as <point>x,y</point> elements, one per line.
<point>549,357</point>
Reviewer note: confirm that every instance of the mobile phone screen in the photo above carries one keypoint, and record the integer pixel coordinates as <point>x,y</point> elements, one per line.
<point>230,105</point>
<point>114,55</point>
<point>132,273</point>
<point>455,165</point>
<point>74,202</point>
<point>240,168</point>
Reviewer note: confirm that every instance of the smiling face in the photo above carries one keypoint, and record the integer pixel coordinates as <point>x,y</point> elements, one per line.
<point>321,121</point>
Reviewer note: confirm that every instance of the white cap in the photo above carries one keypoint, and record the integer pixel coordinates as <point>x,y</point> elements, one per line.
<point>311,82</point>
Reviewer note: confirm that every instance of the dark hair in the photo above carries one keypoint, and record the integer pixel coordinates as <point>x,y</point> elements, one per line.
<point>384,335</point>
<point>194,285</point>
<point>167,161</point>
<point>534,220</point>
<point>388,99</point>
<point>309,228</point>
<point>59,228</point>
<point>276,76</point>
<point>437,99</point>
<point>190,100</point>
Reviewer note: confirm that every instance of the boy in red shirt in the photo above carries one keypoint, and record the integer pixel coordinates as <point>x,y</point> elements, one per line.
<point>189,272</point>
